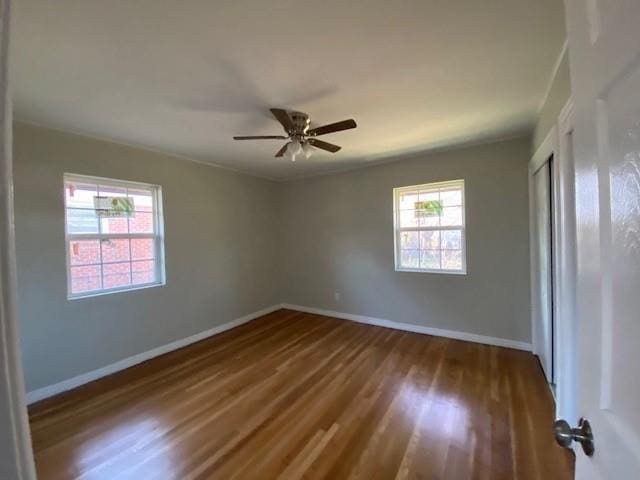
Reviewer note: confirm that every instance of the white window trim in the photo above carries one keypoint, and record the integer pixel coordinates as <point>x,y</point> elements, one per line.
<point>158,236</point>
<point>397,230</point>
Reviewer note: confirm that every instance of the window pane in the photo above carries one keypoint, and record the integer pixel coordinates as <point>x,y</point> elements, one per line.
<point>408,200</point>
<point>452,259</point>
<point>409,240</point>
<point>451,216</point>
<point>141,222</point>
<point>110,191</point>
<point>429,220</point>
<point>79,195</point>
<point>115,250</point>
<point>427,196</point>
<point>452,239</point>
<point>83,252</point>
<point>142,199</point>
<point>430,259</point>
<point>81,221</point>
<point>142,272</point>
<point>451,197</point>
<point>85,279</point>
<point>430,240</point>
<point>142,249</point>
<point>116,275</point>
<point>410,258</point>
<point>114,225</point>
<point>408,218</point>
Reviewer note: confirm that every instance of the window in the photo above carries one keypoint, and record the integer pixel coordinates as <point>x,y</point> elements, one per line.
<point>114,235</point>
<point>429,228</point>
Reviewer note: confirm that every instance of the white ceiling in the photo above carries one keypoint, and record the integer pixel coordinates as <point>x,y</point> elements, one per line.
<point>185,76</point>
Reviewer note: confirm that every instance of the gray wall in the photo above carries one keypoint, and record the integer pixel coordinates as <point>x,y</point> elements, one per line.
<point>559,94</point>
<point>220,230</point>
<point>337,236</point>
<point>235,244</point>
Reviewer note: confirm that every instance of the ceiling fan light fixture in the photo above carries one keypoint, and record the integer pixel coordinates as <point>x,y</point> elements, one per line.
<point>294,148</point>
<point>307,149</point>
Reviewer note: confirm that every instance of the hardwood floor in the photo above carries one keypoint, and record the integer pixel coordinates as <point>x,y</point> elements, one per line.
<point>295,395</point>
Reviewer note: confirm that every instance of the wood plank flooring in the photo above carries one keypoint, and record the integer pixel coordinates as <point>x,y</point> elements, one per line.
<point>294,395</point>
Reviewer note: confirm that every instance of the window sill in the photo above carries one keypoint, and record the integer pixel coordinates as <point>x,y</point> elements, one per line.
<point>114,290</point>
<point>440,272</point>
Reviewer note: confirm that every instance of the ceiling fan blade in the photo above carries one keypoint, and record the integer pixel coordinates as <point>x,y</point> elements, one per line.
<point>329,147</point>
<point>261,137</point>
<point>333,127</point>
<point>282,150</point>
<point>283,117</point>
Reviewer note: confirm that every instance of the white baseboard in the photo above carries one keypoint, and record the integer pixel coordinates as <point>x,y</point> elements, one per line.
<point>409,327</point>
<point>70,384</point>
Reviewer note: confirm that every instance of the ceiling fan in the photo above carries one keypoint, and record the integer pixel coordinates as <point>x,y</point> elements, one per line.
<point>302,139</point>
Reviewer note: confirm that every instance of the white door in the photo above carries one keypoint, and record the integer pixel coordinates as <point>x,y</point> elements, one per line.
<point>542,206</point>
<point>604,49</point>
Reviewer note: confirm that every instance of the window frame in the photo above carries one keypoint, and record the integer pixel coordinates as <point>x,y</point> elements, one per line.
<point>397,229</point>
<point>157,236</point>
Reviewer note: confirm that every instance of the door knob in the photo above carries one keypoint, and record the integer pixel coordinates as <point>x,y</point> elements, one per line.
<point>565,435</point>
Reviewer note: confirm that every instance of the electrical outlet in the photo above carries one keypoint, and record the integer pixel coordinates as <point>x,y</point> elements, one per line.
<point>336,296</point>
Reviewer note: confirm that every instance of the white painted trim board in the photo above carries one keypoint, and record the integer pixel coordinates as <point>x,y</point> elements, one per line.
<point>79,380</point>
<point>410,327</point>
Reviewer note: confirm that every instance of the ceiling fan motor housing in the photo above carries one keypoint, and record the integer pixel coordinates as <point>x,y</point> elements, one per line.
<point>300,122</point>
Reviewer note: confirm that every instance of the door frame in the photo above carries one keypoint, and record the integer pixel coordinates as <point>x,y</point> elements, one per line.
<point>547,149</point>
<point>16,458</point>
<point>566,391</point>
<point>563,239</point>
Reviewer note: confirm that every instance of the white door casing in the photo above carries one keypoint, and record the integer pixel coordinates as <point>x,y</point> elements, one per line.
<point>16,457</point>
<point>541,342</point>
<point>559,144</point>
<point>604,50</point>
<point>566,329</point>
<point>543,255</point>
